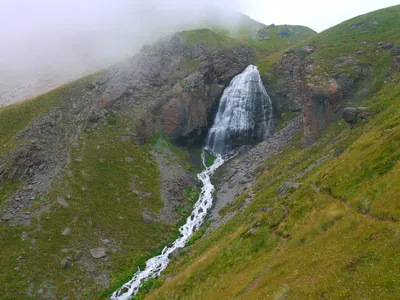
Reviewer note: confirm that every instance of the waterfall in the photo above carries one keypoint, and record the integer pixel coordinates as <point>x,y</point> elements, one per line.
<point>244,114</point>
<point>244,117</point>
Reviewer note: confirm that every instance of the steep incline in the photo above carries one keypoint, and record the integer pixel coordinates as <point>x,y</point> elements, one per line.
<point>340,67</point>
<point>315,222</point>
<point>89,186</point>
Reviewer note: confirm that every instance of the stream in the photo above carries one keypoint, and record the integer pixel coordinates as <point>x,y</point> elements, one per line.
<point>155,265</point>
<point>244,117</point>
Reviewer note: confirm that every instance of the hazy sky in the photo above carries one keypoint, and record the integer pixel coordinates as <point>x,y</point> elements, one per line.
<point>317,14</point>
<point>42,37</point>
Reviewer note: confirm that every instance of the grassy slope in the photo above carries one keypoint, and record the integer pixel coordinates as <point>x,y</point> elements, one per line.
<point>222,40</point>
<point>358,34</point>
<point>337,236</point>
<point>102,205</point>
<point>14,118</point>
<point>277,42</point>
<point>98,177</point>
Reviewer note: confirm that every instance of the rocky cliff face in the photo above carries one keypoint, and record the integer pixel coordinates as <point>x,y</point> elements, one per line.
<point>296,90</point>
<point>320,89</point>
<point>172,86</point>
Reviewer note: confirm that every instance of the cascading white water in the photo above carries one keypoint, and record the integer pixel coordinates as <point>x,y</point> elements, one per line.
<point>244,117</point>
<point>244,114</point>
<point>155,265</point>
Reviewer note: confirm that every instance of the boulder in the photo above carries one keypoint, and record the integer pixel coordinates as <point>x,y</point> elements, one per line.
<point>98,252</point>
<point>66,232</point>
<point>284,188</point>
<point>147,219</point>
<point>78,255</point>
<point>65,263</point>
<point>174,254</point>
<point>62,201</point>
<point>386,46</point>
<point>129,159</point>
<point>354,114</point>
<point>7,217</point>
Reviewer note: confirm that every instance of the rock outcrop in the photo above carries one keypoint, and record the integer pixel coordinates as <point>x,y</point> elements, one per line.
<point>172,86</point>
<point>321,88</point>
<point>352,115</point>
<point>295,90</point>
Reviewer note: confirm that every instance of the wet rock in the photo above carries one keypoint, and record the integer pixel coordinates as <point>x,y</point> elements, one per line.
<point>98,252</point>
<point>66,232</point>
<point>182,96</point>
<point>65,263</point>
<point>284,188</point>
<point>174,254</point>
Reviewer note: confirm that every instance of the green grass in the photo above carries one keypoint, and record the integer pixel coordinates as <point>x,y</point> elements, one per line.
<point>14,118</point>
<point>103,204</point>
<point>368,70</point>
<point>220,39</point>
<point>278,42</point>
<point>340,238</point>
<point>209,38</point>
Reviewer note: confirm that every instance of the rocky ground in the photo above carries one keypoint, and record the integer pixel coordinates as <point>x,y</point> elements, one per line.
<point>238,174</point>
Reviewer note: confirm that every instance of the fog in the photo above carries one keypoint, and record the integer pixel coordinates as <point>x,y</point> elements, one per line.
<point>45,43</point>
<point>48,42</point>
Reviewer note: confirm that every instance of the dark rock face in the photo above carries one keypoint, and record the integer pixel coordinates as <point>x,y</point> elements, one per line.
<point>284,32</point>
<point>171,86</point>
<point>352,115</point>
<point>395,66</point>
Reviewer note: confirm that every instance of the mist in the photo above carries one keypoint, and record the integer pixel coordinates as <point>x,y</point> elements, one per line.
<point>47,43</point>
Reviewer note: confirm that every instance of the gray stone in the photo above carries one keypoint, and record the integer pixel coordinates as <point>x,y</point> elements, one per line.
<point>65,263</point>
<point>147,219</point>
<point>174,254</point>
<point>98,252</point>
<point>386,46</point>
<point>66,232</point>
<point>352,115</point>
<point>62,201</point>
<point>129,159</point>
<point>78,255</point>
<point>7,217</point>
<point>104,241</point>
<point>284,188</point>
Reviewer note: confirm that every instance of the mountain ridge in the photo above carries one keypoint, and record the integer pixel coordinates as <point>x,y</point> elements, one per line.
<point>107,164</point>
